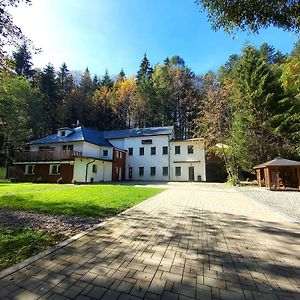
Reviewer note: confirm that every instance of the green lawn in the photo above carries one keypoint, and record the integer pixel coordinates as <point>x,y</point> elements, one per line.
<point>17,245</point>
<point>91,200</point>
<point>67,199</point>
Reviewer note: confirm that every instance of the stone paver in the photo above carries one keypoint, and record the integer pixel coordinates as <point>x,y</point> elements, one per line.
<point>181,244</point>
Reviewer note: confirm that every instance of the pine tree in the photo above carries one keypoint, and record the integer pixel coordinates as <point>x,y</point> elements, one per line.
<point>86,83</point>
<point>23,61</point>
<point>121,75</point>
<point>107,81</point>
<point>65,82</point>
<point>48,87</point>
<point>145,69</point>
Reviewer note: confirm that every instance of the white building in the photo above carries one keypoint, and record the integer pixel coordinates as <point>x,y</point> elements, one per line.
<point>86,155</point>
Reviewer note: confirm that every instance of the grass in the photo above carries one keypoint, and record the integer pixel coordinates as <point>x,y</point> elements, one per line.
<point>17,245</point>
<point>92,200</point>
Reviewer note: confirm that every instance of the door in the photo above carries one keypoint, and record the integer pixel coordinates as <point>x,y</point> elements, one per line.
<point>191,174</point>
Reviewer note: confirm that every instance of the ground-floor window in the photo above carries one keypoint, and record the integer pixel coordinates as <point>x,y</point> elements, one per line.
<point>152,171</point>
<point>165,171</point>
<point>54,169</point>
<point>94,168</point>
<point>141,171</point>
<point>177,171</point>
<point>29,169</point>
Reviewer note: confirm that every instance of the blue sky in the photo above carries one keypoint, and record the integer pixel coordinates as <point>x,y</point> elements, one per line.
<point>114,34</point>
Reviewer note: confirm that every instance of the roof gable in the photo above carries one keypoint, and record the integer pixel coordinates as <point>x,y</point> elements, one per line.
<point>278,162</point>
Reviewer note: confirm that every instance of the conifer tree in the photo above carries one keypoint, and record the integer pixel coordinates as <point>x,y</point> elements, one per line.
<point>23,61</point>
<point>145,69</point>
<point>107,81</point>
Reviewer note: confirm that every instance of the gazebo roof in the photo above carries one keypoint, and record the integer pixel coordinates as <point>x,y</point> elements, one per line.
<point>278,162</point>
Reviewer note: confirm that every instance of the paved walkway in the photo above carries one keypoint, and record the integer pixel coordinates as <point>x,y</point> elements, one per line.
<point>181,244</point>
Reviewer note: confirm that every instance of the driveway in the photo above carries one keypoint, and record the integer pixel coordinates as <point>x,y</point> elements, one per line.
<point>181,244</point>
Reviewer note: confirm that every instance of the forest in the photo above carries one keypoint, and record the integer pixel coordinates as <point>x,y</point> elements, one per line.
<point>248,111</point>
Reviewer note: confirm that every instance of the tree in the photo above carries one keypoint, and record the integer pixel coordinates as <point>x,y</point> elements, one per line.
<point>107,81</point>
<point>22,60</point>
<point>20,114</point>
<point>86,84</point>
<point>64,81</point>
<point>46,81</point>
<point>102,111</point>
<point>176,96</point>
<point>124,103</point>
<point>145,69</point>
<point>10,34</point>
<point>252,15</point>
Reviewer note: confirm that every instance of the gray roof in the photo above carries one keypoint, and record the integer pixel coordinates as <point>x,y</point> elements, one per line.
<point>79,134</point>
<point>278,162</point>
<point>118,134</point>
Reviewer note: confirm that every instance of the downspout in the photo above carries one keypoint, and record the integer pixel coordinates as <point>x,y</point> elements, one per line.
<point>169,151</point>
<point>86,168</point>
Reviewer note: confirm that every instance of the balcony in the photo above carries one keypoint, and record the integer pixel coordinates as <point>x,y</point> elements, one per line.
<point>45,155</point>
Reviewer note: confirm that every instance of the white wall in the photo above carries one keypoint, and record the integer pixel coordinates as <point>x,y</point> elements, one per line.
<point>186,160</point>
<point>147,160</point>
<point>104,170</point>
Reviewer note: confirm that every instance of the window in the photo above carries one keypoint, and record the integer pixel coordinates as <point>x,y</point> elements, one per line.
<point>152,171</point>
<point>190,149</point>
<point>141,150</point>
<point>130,172</point>
<point>67,147</point>
<point>177,171</point>
<point>165,171</point>
<point>63,133</point>
<point>153,150</point>
<point>130,151</point>
<point>105,152</point>
<point>29,169</point>
<point>42,148</point>
<point>165,150</point>
<point>54,169</point>
<point>141,171</point>
<point>94,168</point>
<point>147,142</point>
<point>177,149</point>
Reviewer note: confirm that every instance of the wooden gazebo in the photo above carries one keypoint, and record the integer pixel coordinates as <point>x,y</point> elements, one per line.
<point>279,174</point>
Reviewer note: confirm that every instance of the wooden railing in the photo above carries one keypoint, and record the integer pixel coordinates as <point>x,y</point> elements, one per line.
<point>45,155</point>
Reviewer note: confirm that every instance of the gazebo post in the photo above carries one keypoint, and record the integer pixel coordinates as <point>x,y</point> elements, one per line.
<point>258,177</point>
<point>267,178</point>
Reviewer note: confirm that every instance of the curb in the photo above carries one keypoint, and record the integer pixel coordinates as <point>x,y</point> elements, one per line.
<point>28,261</point>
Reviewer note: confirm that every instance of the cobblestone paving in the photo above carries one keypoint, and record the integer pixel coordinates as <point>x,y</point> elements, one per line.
<point>181,244</point>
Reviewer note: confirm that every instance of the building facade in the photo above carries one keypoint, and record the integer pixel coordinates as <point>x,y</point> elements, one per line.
<point>85,155</point>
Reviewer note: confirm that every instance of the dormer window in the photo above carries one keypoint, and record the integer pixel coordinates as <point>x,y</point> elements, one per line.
<point>64,131</point>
